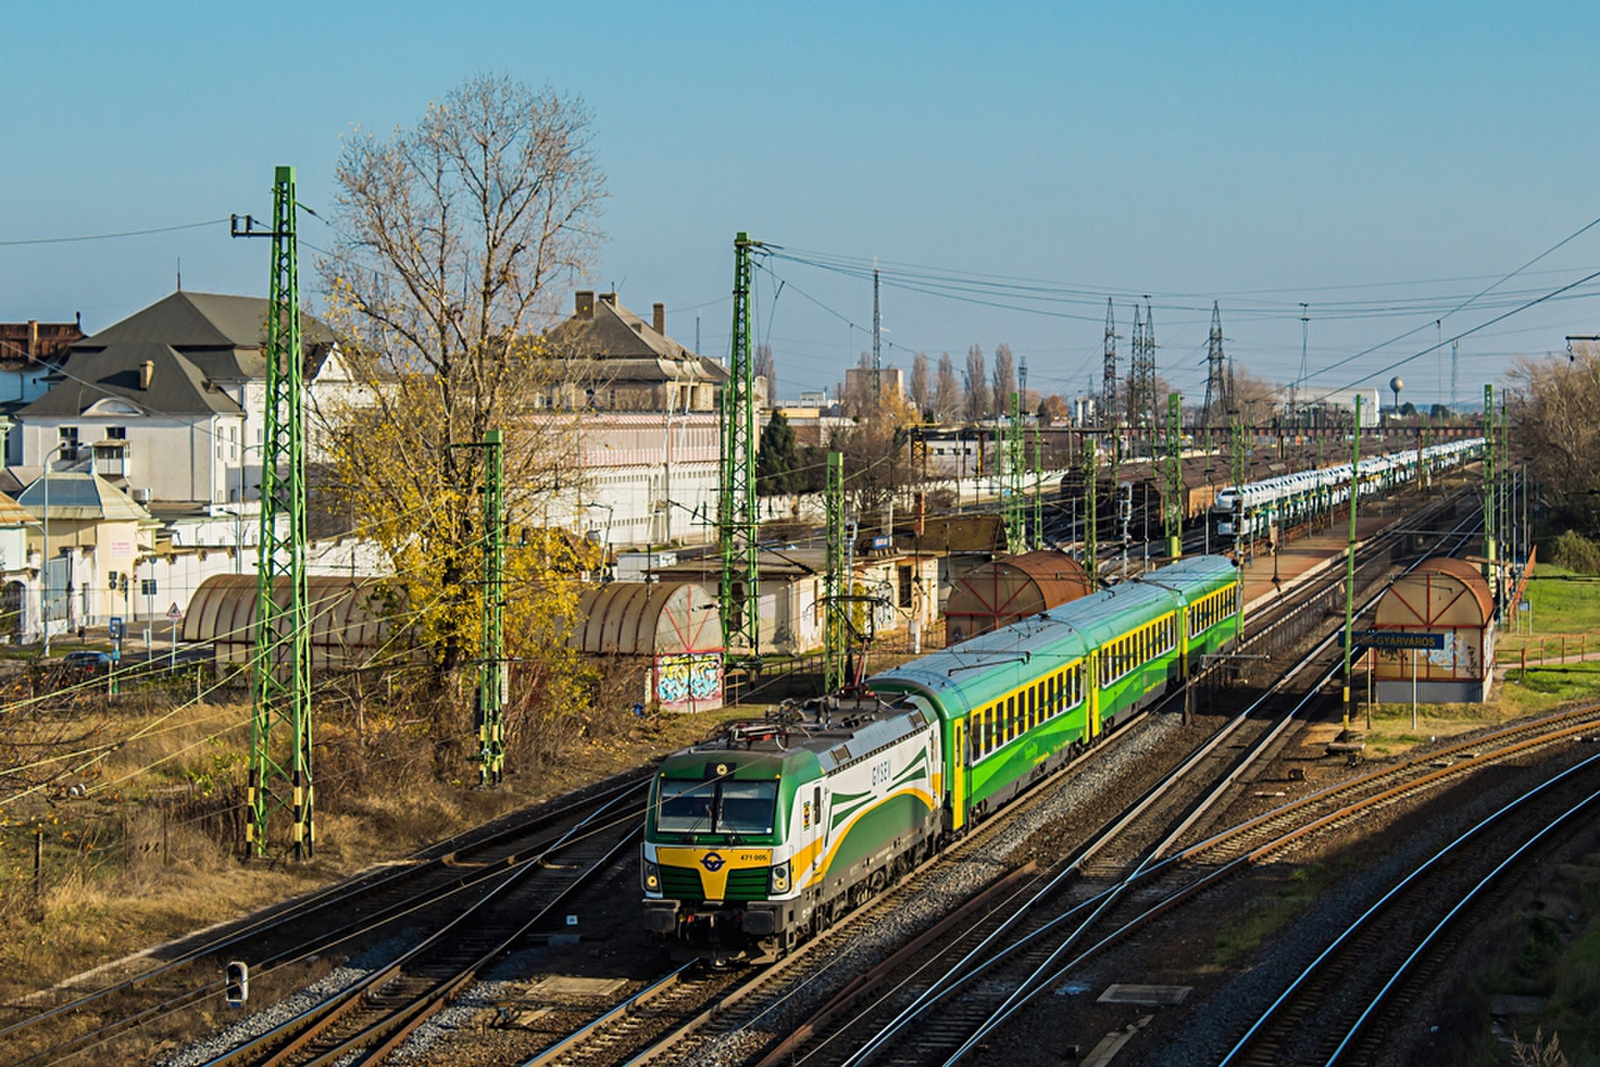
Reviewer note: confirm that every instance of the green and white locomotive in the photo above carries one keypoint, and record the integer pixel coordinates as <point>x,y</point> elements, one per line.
<point>770,831</point>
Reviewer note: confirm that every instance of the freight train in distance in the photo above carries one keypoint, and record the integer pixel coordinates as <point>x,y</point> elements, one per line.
<point>768,833</point>
<point>1291,498</point>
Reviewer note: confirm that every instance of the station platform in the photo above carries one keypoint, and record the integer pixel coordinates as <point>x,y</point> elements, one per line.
<point>1266,581</point>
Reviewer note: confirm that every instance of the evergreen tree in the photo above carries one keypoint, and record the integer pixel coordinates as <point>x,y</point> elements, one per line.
<point>775,458</point>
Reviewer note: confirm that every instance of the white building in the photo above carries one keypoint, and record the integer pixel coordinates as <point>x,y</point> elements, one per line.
<point>168,403</point>
<point>643,479</point>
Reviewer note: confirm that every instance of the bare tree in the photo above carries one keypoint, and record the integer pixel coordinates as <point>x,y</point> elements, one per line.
<point>977,385</point>
<point>451,235</point>
<point>1255,399</point>
<point>1553,406</point>
<point>947,395</point>
<point>921,385</point>
<point>764,367</point>
<point>1005,379</point>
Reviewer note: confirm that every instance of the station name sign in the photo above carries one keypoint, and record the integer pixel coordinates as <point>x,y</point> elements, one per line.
<point>1420,640</point>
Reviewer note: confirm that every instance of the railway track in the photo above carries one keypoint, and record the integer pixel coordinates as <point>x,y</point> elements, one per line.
<point>1329,1012</point>
<point>938,1011</point>
<point>1091,886</point>
<point>369,1018</point>
<point>86,1023</point>
<point>716,1032</point>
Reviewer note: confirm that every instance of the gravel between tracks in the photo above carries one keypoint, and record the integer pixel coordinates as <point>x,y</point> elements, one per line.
<point>1214,1023</point>
<point>942,890</point>
<point>258,1023</point>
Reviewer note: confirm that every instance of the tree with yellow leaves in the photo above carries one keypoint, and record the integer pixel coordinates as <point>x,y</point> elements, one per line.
<point>453,237</point>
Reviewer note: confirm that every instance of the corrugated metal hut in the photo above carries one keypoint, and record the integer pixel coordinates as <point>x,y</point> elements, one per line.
<point>349,619</point>
<point>1444,603</point>
<point>672,629</point>
<point>1010,589</point>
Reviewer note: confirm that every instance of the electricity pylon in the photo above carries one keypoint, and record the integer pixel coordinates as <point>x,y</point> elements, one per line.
<point>835,581</point>
<point>281,720</point>
<point>738,519</point>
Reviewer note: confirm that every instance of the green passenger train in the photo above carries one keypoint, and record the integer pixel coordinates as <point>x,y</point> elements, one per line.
<point>770,831</point>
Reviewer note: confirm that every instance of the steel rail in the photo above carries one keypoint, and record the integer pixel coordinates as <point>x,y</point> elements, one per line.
<point>432,897</point>
<point>953,979</point>
<point>326,900</point>
<point>1327,953</point>
<point>1042,976</point>
<point>308,1025</point>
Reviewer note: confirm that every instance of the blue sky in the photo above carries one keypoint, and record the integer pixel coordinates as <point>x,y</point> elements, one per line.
<point>1383,166</point>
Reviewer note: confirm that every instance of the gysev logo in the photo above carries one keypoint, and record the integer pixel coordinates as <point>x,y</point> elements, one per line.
<point>712,862</point>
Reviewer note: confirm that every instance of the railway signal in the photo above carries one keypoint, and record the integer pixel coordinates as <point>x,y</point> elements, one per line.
<point>236,983</point>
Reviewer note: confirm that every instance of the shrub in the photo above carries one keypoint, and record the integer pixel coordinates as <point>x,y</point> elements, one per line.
<point>1576,552</point>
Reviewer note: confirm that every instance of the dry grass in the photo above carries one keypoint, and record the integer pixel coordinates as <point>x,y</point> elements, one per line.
<point>148,849</point>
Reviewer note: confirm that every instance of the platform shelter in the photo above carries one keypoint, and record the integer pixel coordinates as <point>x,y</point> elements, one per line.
<point>1433,637</point>
<point>670,630</point>
<point>1009,589</point>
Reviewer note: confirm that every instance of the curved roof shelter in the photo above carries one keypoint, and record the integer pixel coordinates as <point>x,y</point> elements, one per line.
<point>1446,603</point>
<point>647,619</point>
<point>1010,589</point>
<point>350,618</point>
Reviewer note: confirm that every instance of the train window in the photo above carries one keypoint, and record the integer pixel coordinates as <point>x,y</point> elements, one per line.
<point>747,807</point>
<point>1011,717</point>
<point>685,806</point>
<point>1033,696</point>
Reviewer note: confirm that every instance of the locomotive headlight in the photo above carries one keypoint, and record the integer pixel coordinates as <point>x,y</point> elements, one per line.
<point>652,877</point>
<point>780,878</point>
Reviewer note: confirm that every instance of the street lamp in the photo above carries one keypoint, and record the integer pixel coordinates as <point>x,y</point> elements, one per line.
<point>609,511</point>
<point>44,553</point>
<point>238,508</point>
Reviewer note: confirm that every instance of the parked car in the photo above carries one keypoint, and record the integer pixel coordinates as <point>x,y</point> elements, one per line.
<point>87,662</point>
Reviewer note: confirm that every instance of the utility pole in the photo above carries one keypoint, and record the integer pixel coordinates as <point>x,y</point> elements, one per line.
<point>1305,334</point>
<point>1038,486</point>
<point>1011,486</point>
<point>1455,372</point>
<point>737,516</point>
<point>1137,406</point>
<point>1091,520</point>
<point>877,345</point>
<point>835,580</point>
<point>491,629</point>
<point>1173,511</point>
<point>1350,560</point>
<point>1490,541</point>
<point>280,777</point>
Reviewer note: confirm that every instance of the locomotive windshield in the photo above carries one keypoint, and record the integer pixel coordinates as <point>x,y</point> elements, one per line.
<point>728,807</point>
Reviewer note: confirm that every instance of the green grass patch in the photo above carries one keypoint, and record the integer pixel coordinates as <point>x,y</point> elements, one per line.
<point>1266,915</point>
<point>1561,604</point>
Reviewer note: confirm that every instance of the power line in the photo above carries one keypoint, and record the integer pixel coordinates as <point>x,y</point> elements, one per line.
<point>110,236</point>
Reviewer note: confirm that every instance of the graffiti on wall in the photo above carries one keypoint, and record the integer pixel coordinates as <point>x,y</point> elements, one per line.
<point>689,678</point>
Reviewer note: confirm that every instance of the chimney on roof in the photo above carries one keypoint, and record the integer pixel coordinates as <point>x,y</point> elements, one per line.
<point>659,318</point>
<point>609,298</point>
<point>33,339</point>
<point>147,371</point>
<point>585,306</point>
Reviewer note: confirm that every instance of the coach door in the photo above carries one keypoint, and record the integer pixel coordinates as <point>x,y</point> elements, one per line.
<point>958,774</point>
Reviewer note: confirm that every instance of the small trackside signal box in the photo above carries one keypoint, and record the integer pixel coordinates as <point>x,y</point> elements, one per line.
<point>237,984</point>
